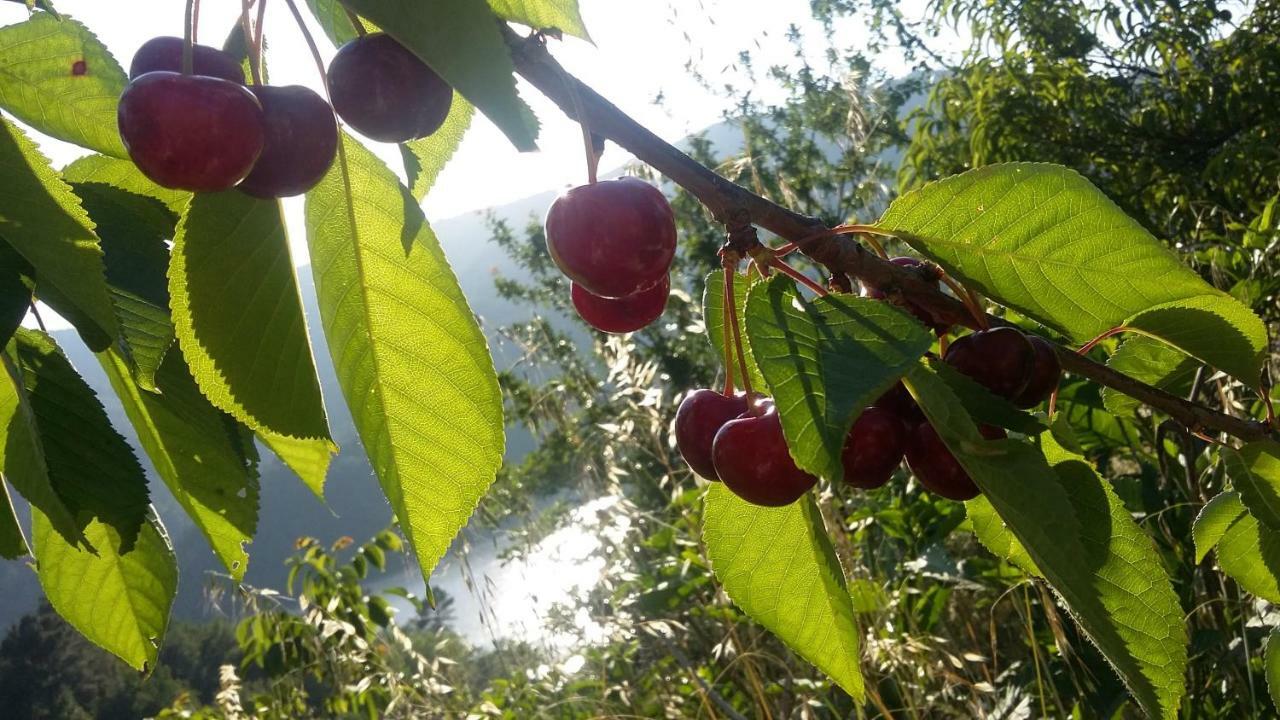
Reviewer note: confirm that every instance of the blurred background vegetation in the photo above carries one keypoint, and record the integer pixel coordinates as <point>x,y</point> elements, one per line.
<point>1172,108</point>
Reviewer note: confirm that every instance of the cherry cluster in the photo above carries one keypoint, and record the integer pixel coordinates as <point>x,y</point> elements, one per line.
<point>614,240</point>
<point>738,439</point>
<point>205,131</point>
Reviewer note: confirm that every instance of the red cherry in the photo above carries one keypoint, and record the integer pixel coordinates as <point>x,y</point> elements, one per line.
<point>873,449</point>
<point>301,140</point>
<point>701,415</point>
<point>999,359</point>
<point>751,457</point>
<point>921,314</point>
<point>382,89</point>
<point>621,315</point>
<point>898,401</point>
<point>613,237</point>
<point>191,132</point>
<point>936,468</point>
<point>1046,371</point>
<point>165,53</point>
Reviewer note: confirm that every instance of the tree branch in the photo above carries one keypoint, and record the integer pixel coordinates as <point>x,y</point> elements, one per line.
<point>734,205</point>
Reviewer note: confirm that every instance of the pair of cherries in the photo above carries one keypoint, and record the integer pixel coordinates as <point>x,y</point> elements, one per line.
<point>615,240</point>
<point>206,131</point>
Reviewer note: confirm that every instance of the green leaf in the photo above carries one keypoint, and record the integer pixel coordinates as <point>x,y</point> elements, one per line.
<point>995,536</point>
<point>461,41</point>
<point>42,219</point>
<point>239,321</point>
<point>1040,239</point>
<point>424,158</point>
<point>825,360</point>
<point>1255,473</point>
<point>39,85</point>
<point>134,231</point>
<point>985,406</point>
<point>333,20</point>
<point>777,564</point>
<point>713,318</point>
<point>89,466</point>
<point>560,15</point>
<point>1215,518</point>
<point>17,279</point>
<point>412,362</point>
<point>119,599</point>
<point>124,175</point>
<point>1250,553</point>
<point>1152,362</point>
<point>197,451</point>
<point>1271,661</point>
<point>13,544</point>
<point>1083,540</point>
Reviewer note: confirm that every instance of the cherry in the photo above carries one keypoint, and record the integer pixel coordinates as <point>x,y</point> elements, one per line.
<point>921,314</point>
<point>936,468</point>
<point>301,140</point>
<point>622,315</point>
<point>1046,371</point>
<point>613,237</point>
<point>898,401</point>
<point>873,449</point>
<point>191,132</point>
<point>382,89</point>
<point>999,359</point>
<point>701,415</point>
<point>751,457</point>
<point>165,53</point>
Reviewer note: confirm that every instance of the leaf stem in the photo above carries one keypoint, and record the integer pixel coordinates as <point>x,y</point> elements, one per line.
<point>798,276</point>
<point>968,299</point>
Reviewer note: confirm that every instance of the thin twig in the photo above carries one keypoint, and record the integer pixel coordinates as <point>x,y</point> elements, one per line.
<point>311,45</point>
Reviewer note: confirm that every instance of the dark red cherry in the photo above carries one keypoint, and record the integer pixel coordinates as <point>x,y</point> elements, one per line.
<point>1046,371</point>
<point>873,449</point>
<point>165,53</point>
<point>301,140</point>
<point>921,314</point>
<point>380,88</point>
<point>936,468</point>
<point>701,415</point>
<point>898,401</point>
<point>191,132</point>
<point>613,237</point>
<point>625,314</point>
<point>999,359</point>
<point>751,457</point>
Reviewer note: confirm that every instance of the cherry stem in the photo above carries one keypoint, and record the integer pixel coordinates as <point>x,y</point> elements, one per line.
<point>1271,411</point>
<point>729,272</point>
<point>1084,349</point>
<point>968,299</point>
<point>39,320</point>
<point>311,45</point>
<point>188,38</point>
<point>726,301</point>
<point>785,250</point>
<point>195,22</point>
<point>257,38</point>
<point>355,22</point>
<point>593,160</point>
<point>247,31</point>
<point>798,276</point>
<point>875,245</point>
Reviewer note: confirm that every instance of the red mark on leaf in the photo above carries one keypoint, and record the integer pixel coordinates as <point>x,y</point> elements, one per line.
<point>79,67</point>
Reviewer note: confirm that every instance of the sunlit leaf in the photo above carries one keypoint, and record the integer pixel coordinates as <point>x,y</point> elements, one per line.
<point>1272,665</point>
<point>13,544</point>
<point>333,20</point>
<point>777,564</point>
<point>1215,518</point>
<point>119,599</point>
<point>825,360</point>
<point>560,15</point>
<point>1250,553</point>
<point>983,405</point>
<point>1255,473</point>
<point>1041,239</point>
<point>995,536</point>
<point>123,175</point>
<point>424,158</point>
<point>411,359</point>
<point>58,78</point>
<point>1152,362</point>
<point>239,321</point>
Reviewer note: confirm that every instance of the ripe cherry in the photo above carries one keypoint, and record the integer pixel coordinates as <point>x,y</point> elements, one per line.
<point>1046,371</point>
<point>191,132</point>
<point>382,89</point>
<point>999,359</point>
<point>165,53</point>
<point>301,140</point>
<point>936,468</point>
<point>873,449</point>
<point>898,401</point>
<point>921,314</point>
<point>751,457</point>
<point>701,415</point>
<point>625,314</point>
<point>613,237</point>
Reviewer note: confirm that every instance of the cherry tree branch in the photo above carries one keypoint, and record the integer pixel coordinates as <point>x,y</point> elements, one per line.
<point>735,206</point>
